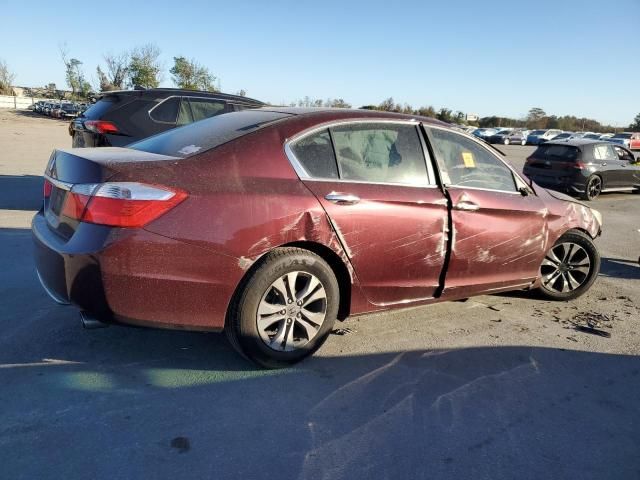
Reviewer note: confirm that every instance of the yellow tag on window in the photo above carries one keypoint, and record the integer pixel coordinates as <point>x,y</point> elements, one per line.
<point>467,157</point>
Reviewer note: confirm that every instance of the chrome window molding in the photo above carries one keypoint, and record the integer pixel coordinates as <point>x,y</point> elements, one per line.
<point>304,175</point>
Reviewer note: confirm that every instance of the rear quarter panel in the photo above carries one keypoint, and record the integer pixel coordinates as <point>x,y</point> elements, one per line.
<point>244,200</point>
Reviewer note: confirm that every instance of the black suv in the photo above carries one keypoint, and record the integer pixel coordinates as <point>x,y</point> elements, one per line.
<point>122,117</point>
<point>584,167</point>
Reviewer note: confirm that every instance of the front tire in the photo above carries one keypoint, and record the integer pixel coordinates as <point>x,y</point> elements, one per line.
<point>506,141</point>
<point>285,309</point>
<point>570,267</point>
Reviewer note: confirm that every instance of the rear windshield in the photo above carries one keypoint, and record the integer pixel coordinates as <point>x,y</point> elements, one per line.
<point>557,152</point>
<point>207,134</point>
<point>98,109</point>
<point>622,135</point>
<point>537,132</point>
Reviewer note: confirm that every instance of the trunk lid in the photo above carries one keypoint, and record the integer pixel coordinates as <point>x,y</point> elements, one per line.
<point>552,158</point>
<point>83,168</point>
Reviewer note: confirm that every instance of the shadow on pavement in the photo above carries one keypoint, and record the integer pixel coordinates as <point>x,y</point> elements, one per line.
<point>620,268</point>
<point>21,192</point>
<point>136,403</point>
<point>165,400</point>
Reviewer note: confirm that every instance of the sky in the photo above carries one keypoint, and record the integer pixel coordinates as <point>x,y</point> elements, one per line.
<point>497,57</point>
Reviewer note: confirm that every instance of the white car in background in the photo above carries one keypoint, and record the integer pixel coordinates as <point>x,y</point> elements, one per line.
<point>537,137</point>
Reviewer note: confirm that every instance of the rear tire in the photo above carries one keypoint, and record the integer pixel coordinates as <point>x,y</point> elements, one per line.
<point>285,309</point>
<point>593,188</point>
<point>570,267</point>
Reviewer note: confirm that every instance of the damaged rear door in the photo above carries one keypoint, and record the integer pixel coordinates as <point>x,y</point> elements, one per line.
<point>499,226</point>
<point>374,182</point>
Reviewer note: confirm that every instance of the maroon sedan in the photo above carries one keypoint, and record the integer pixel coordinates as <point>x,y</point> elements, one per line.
<point>273,223</point>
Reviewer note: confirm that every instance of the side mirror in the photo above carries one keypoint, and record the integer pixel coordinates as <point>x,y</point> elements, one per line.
<point>524,191</point>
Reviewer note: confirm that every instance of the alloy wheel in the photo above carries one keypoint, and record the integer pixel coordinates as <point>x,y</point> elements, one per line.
<point>594,187</point>
<point>565,268</point>
<point>292,311</point>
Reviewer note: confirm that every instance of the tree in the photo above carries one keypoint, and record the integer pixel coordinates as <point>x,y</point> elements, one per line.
<point>191,75</point>
<point>387,105</point>
<point>117,70</point>
<point>445,115</point>
<point>337,103</point>
<point>6,78</point>
<point>459,118</point>
<point>427,111</point>
<point>144,67</point>
<point>80,88</point>
<point>536,118</point>
<point>635,126</point>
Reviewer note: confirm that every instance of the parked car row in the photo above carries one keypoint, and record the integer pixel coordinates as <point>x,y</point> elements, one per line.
<point>516,136</point>
<point>59,109</point>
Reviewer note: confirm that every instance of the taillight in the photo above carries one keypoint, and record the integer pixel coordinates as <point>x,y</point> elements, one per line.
<point>46,188</point>
<point>579,166</point>
<point>120,204</point>
<point>101,126</point>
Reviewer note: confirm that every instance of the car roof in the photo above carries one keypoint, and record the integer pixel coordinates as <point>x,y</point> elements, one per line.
<point>577,142</point>
<point>168,92</point>
<point>347,113</point>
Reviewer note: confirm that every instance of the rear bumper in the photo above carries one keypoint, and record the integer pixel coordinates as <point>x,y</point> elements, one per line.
<point>566,184</point>
<point>136,277</point>
<point>69,271</point>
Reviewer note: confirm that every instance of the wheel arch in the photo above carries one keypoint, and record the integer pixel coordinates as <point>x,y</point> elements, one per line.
<point>336,264</point>
<point>340,270</point>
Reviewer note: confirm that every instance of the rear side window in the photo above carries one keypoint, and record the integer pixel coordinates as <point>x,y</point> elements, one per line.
<point>166,111</point>
<point>562,153</point>
<point>202,108</point>
<point>315,153</point>
<point>209,133</point>
<point>381,153</point>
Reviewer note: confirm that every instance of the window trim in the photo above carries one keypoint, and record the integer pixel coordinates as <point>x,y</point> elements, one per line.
<point>175,122</point>
<point>182,99</point>
<point>428,127</point>
<point>305,176</point>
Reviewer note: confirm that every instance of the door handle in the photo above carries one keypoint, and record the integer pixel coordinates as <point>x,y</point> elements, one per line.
<point>466,206</point>
<point>604,164</point>
<point>342,198</point>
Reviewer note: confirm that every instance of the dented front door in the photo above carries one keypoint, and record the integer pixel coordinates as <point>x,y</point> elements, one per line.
<point>395,236</point>
<point>499,239</point>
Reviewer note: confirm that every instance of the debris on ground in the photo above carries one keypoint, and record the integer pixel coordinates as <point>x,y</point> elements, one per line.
<point>493,307</point>
<point>343,331</point>
<point>592,323</point>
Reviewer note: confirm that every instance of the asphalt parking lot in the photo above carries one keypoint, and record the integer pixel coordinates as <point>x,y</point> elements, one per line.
<point>495,387</point>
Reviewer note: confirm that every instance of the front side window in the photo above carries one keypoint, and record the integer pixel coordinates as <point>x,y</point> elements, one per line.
<point>465,163</point>
<point>381,153</point>
<point>623,154</point>
<point>604,152</point>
